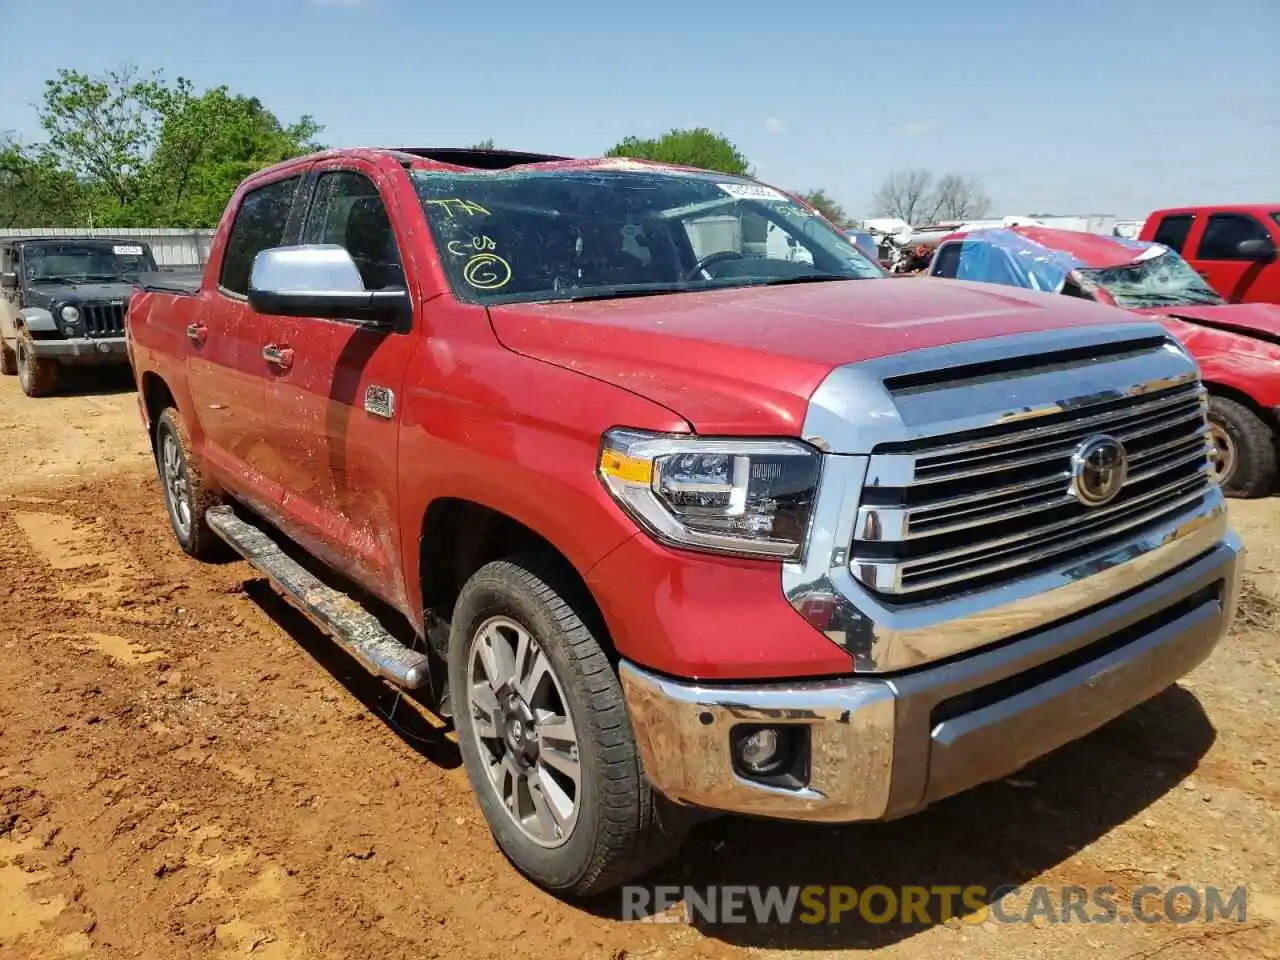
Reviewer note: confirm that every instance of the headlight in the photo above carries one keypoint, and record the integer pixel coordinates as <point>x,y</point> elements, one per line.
<point>749,497</point>
<point>69,314</point>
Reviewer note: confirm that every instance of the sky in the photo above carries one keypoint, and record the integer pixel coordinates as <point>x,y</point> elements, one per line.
<point>1087,107</point>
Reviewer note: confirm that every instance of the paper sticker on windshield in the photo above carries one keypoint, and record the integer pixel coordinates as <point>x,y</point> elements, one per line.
<point>1154,250</point>
<point>127,250</point>
<point>751,191</point>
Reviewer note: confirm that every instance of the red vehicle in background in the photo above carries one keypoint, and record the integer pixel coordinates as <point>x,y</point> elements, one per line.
<point>1236,345</point>
<point>1232,247</point>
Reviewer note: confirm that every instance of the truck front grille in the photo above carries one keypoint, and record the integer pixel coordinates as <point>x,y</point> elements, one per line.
<point>103,319</point>
<point>992,504</point>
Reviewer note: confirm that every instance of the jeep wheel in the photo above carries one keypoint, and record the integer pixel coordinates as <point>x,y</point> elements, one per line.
<point>8,361</point>
<point>1242,455</point>
<point>38,378</point>
<point>545,735</point>
<point>185,495</point>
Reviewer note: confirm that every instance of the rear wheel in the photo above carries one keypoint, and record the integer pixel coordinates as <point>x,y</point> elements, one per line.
<point>38,377</point>
<point>186,497</point>
<point>545,736</point>
<point>1242,452</point>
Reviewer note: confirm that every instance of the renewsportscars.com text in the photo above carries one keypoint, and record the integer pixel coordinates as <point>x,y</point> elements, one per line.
<point>920,905</point>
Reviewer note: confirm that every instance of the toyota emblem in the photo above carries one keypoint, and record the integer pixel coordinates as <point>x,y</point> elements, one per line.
<point>1099,468</point>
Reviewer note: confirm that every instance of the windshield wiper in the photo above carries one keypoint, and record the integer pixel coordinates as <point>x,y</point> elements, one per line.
<point>55,280</point>
<point>100,277</point>
<point>620,294</point>
<point>806,278</point>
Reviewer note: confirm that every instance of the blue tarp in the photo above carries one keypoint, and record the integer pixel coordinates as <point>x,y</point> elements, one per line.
<point>1002,256</point>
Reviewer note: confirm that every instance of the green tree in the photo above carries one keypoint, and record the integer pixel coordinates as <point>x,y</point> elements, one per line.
<point>826,206</point>
<point>35,192</point>
<point>103,128</point>
<point>485,144</point>
<point>122,150</point>
<point>697,147</point>
<point>208,143</point>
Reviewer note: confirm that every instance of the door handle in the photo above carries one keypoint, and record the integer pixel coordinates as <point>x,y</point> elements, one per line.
<point>278,356</point>
<point>197,333</point>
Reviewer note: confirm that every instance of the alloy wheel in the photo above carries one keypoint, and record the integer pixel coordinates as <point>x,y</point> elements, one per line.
<point>177,485</point>
<point>521,722</point>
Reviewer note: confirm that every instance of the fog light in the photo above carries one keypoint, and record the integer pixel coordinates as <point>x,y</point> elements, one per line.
<point>69,331</point>
<point>763,751</point>
<point>104,348</point>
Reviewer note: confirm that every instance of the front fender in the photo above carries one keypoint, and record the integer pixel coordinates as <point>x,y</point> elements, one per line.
<point>37,320</point>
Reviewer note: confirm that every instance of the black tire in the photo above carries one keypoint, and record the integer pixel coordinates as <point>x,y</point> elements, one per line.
<point>8,361</point>
<point>1252,469</point>
<point>38,378</point>
<point>194,536</point>
<point>618,834</point>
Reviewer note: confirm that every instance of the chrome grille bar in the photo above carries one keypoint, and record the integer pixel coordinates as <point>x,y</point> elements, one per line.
<point>947,513</point>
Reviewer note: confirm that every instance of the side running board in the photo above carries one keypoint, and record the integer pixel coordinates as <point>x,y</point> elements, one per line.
<point>350,625</point>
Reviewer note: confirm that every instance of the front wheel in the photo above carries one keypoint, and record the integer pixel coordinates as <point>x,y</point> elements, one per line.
<point>37,377</point>
<point>545,736</point>
<point>1242,455</point>
<point>8,361</point>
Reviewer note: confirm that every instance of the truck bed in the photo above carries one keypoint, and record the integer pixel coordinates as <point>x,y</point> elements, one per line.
<point>182,282</point>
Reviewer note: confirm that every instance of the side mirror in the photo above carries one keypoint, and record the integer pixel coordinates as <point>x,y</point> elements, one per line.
<point>8,281</point>
<point>1263,251</point>
<point>321,280</point>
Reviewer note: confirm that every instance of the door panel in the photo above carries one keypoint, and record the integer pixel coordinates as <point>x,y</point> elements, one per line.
<point>334,459</point>
<point>224,341</point>
<point>1237,279</point>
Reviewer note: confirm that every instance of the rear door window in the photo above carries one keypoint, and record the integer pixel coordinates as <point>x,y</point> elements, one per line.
<point>1173,230</point>
<point>1224,233</point>
<point>260,224</point>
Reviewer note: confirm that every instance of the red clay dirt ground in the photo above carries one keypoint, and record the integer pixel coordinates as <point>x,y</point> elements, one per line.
<point>188,769</point>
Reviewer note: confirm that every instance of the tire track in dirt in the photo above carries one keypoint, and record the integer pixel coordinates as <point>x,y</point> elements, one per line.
<point>188,769</point>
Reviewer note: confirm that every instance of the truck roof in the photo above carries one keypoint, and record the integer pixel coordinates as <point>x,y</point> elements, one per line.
<point>474,159</point>
<point>1258,209</point>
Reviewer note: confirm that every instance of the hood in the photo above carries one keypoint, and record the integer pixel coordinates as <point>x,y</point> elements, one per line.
<point>1260,320</point>
<point>746,361</point>
<point>41,294</point>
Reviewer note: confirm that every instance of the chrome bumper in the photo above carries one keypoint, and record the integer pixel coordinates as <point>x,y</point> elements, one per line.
<point>879,747</point>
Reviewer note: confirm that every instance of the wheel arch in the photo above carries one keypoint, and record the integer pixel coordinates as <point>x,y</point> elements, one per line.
<point>458,536</point>
<point>1217,388</point>
<point>156,397</point>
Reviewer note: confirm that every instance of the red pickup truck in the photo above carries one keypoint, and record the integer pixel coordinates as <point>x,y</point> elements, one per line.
<point>1233,247</point>
<point>686,526</point>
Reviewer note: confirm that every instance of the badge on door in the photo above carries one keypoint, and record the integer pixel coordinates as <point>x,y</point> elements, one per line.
<point>380,401</point>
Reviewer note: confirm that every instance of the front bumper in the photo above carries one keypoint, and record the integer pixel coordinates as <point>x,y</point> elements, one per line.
<point>82,350</point>
<point>880,747</point>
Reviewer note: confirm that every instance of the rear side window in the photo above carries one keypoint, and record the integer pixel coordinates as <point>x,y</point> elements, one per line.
<point>1276,217</point>
<point>1224,233</point>
<point>947,261</point>
<point>1173,231</point>
<point>259,224</point>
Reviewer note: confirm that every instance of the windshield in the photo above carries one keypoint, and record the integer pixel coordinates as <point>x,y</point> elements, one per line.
<point>83,262</point>
<point>572,235</point>
<point>1164,280</point>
